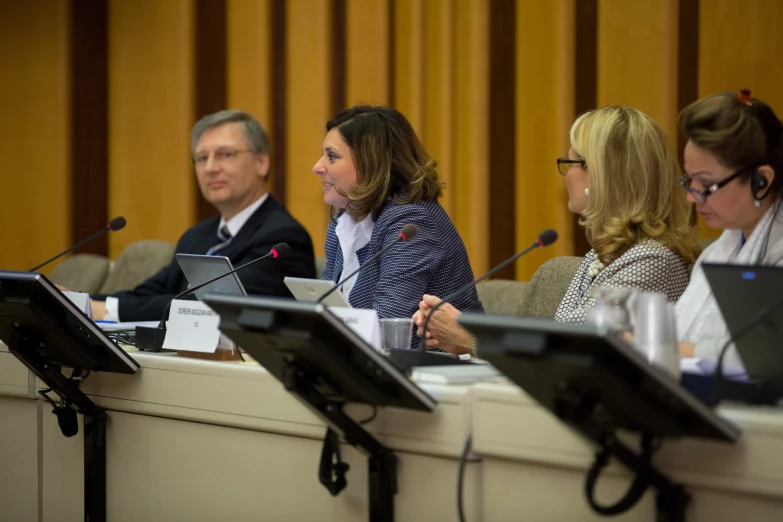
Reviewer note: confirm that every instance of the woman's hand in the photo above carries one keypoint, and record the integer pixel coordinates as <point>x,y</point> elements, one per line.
<point>687,349</point>
<point>442,331</point>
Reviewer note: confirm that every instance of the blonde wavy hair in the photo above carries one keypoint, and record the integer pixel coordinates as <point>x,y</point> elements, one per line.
<point>634,189</point>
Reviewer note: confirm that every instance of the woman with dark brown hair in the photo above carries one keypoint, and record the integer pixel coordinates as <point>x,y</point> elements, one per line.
<point>734,178</point>
<point>378,177</point>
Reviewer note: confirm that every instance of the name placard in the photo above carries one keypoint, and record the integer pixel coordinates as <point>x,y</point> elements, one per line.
<point>81,300</point>
<point>192,326</point>
<point>362,321</point>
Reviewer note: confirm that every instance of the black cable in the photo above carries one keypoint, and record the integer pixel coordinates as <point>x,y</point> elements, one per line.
<point>463,461</point>
<point>44,393</point>
<point>635,491</point>
<point>371,417</point>
<point>718,375</point>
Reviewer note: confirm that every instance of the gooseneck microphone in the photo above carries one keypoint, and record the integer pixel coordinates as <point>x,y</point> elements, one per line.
<point>544,239</point>
<point>114,225</point>
<point>152,338</point>
<point>407,233</point>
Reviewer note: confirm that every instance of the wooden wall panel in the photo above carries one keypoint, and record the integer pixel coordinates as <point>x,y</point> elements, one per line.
<point>741,46</point>
<point>249,58</point>
<point>35,209</point>
<point>637,58</point>
<point>249,75</point>
<point>309,93</point>
<point>438,89</point>
<point>293,63</point>
<point>367,49</point>
<point>151,105</point>
<point>470,180</point>
<point>408,61</point>
<point>544,113</point>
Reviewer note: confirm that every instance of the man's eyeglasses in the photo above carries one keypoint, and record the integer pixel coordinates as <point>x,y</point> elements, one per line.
<point>221,156</point>
<point>564,164</point>
<point>702,195</point>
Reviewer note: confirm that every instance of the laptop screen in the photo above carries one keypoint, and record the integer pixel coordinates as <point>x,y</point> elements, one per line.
<point>742,293</point>
<point>199,269</point>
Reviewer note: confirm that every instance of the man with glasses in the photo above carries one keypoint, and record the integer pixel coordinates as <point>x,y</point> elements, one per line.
<point>231,157</point>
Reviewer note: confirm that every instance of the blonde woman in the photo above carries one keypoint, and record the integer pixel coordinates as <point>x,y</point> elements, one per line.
<point>622,179</point>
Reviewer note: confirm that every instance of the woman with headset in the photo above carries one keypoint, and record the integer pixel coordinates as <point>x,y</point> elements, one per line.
<point>734,178</point>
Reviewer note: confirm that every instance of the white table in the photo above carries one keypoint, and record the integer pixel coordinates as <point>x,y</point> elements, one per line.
<point>533,464</point>
<point>197,440</point>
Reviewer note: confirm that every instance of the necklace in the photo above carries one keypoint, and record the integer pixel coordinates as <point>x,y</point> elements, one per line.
<point>595,267</point>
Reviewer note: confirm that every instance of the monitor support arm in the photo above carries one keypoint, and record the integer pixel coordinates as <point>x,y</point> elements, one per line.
<point>24,345</point>
<point>577,408</point>
<point>382,462</point>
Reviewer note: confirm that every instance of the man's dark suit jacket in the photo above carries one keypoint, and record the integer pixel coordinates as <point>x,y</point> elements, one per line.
<point>269,225</point>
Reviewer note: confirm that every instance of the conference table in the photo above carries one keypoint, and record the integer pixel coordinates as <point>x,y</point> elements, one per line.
<point>191,439</point>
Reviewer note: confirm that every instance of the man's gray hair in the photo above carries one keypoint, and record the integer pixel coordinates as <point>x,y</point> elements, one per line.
<point>256,136</point>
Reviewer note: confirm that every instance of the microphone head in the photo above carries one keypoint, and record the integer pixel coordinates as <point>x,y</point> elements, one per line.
<point>547,237</point>
<point>409,231</point>
<point>279,250</point>
<point>116,224</point>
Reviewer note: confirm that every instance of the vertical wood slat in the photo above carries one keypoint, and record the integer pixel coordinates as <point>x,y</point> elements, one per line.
<point>210,57</point>
<point>502,133</point>
<point>586,78</point>
<point>747,54</point>
<point>544,113</point>
<point>279,99</point>
<point>89,90</point>
<point>151,113</point>
<point>339,56</point>
<point>637,58</point>
<point>35,135</point>
<point>687,59</point>
<point>470,180</point>
<point>308,91</point>
<point>367,56</point>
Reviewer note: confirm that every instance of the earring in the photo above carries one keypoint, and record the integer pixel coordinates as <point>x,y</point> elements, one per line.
<point>587,191</point>
<point>757,203</point>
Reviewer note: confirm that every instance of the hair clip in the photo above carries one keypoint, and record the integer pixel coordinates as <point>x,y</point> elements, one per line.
<point>744,97</point>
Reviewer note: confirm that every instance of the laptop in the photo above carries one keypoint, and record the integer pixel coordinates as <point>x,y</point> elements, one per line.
<point>310,290</point>
<point>742,293</point>
<point>199,269</point>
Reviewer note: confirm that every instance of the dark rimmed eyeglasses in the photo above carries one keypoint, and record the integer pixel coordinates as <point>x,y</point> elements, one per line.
<point>702,195</point>
<point>564,164</point>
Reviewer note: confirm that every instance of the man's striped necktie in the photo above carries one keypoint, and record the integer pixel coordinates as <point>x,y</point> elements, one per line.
<point>223,239</point>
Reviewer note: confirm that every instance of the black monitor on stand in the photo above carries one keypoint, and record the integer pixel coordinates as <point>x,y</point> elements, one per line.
<point>48,333</point>
<point>325,364</point>
<point>598,384</point>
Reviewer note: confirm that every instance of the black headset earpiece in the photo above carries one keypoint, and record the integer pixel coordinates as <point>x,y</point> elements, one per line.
<point>757,184</point>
